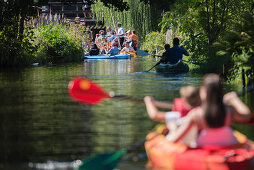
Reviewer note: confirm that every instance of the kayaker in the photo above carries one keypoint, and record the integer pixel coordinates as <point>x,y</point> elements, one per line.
<point>127,48</point>
<point>114,50</point>
<point>164,55</point>
<point>134,38</point>
<point>94,50</point>
<point>175,53</point>
<point>120,33</point>
<point>180,107</point>
<point>215,116</point>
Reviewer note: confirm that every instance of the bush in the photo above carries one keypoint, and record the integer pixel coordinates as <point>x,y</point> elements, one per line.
<point>15,52</point>
<point>238,45</point>
<point>58,44</point>
<point>154,43</point>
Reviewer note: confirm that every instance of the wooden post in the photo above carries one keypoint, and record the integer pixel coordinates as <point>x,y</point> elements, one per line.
<point>243,78</point>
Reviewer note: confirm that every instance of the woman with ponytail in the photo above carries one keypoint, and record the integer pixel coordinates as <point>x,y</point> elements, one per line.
<point>214,117</point>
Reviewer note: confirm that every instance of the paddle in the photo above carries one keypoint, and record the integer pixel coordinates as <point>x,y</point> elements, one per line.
<point>183,45</point>
<point>143,53</point>
<point>108,161</point>
<point>85,91</point>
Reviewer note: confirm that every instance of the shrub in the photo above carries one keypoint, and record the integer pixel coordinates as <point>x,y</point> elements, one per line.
<point>154,43</point>
<point>58,44</point>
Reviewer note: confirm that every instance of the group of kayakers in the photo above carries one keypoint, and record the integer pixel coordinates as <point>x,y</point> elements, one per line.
<point>114,42</point>
<point>201,117</point>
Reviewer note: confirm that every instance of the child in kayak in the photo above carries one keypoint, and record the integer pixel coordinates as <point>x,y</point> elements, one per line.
<point>215,116</point>
<point>180,107</point>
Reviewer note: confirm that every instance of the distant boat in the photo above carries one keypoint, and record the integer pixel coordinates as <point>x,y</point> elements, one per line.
<point>105,56</point>
<point>179,67</point>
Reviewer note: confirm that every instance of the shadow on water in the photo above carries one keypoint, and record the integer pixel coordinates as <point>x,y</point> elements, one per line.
<point>42,128</point>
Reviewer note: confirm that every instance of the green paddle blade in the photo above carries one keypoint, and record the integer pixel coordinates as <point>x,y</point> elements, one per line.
<point>105,161</point>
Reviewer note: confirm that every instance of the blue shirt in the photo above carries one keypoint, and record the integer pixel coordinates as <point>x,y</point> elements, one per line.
<point>175,54</point>
<point>111,38</point>
<point>113,51</point>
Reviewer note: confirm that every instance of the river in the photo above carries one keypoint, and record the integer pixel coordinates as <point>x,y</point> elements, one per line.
<point>41,127</point>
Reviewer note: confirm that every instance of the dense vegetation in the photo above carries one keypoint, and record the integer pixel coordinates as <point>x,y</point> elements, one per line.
<point>16,41</point>
<point>225,26</point>
<point>225,45</point>
<point>58,44</point>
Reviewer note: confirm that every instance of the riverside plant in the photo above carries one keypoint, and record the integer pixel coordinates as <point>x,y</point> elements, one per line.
<point>59,43</point>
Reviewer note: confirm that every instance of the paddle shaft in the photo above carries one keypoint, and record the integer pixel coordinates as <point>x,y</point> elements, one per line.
<point>192,62</point>
<point>115,27</point>
<point>128,98</point>
<point>249,88</point>
<point>155,65</point>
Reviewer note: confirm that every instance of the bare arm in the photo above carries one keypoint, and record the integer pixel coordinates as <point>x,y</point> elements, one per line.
<point>241,112</point>
<point>164,105</point>
<point>181,131</point>
<point>152,111</point>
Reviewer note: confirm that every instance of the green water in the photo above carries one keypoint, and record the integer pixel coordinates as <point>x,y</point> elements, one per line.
<point>41,127</point>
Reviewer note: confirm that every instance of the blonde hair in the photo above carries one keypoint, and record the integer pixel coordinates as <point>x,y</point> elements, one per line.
<point>191,95</point>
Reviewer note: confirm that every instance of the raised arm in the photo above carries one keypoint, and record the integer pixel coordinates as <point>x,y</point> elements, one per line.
<point>152,111</point>
<point>161,104</point>
<point>241,112</point>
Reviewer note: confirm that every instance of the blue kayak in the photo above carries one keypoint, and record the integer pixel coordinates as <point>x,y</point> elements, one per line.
<point>105,56</point>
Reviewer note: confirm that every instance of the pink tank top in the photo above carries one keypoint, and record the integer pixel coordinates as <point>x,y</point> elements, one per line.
<point>223,136</point>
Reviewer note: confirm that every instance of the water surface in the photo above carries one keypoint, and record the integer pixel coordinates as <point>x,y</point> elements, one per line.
<point>41,127</point>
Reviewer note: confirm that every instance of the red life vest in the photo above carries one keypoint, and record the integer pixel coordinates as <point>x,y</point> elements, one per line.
<point>179,106</point>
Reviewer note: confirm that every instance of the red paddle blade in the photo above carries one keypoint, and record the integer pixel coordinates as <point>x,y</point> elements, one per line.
<point>85,91</point>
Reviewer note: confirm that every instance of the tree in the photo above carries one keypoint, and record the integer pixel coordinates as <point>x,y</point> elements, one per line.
<point>211,17</point>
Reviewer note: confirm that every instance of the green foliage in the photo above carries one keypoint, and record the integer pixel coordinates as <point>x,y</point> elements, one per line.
<point>154,43</point>
<point>138,17</point>
<point>238,45</point>
<point>212,18</point>
<point>59,44</point>
<point>19,50</point>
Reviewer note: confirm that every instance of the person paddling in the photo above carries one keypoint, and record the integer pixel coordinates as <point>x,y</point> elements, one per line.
<point>164,55</point>
<point>127,48</point>
<point>215,116</point>
<point>180,107</point>
<point>174,54</point>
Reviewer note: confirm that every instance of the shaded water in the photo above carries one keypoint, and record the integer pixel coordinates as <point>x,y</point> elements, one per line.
<point>41,127</point>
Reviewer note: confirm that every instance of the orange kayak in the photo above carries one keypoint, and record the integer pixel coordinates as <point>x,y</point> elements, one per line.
<point>163,154</point>
<point>133,54</point>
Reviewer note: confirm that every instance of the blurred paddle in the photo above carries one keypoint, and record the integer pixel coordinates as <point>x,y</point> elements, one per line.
<point>85,91</point>
<point>143,53</point>
<point>108,161</point>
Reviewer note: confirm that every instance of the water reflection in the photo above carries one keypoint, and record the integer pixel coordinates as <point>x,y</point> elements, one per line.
<point>41,125</point>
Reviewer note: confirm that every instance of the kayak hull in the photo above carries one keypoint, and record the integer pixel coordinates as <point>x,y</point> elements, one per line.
<point>104,56</point>
<point>179,67</point>
<point>163,154</point>
<point>133,54</point>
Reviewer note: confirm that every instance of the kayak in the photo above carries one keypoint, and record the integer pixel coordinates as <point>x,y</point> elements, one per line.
<point>179,67</point>
<point>133,54</point>
<point>105,56</point>
<point>163,154</point>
